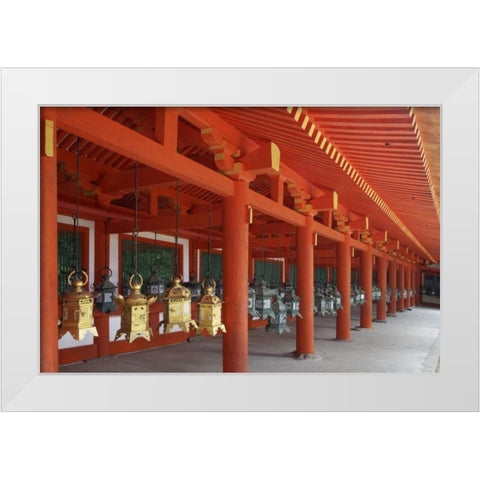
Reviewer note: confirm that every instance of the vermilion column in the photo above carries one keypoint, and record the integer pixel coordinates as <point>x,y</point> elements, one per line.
<point>344,264</point>
<point>305,272</point>
<point>392,282</point>
<point>408,278</point>
<point>382,284</point>
<point>235,275</point>
<point>102,320</point>
<point>48,248</point>
<point>401,286</point>
<point>366,284</point>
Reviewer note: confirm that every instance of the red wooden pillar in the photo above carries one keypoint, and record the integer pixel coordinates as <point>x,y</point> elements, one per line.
<point>235,275</point>
<point>382,284</point>
<point>344,263</point>
<point>408,278</point>
<point>48,245</point>
<point>305,273</point>
<point>392,282</point>
<point>102,320</point>
<point>401,286</point>
<point>366,284</point>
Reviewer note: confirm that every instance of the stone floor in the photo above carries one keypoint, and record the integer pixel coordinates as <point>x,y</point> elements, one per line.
<point>407,343</point>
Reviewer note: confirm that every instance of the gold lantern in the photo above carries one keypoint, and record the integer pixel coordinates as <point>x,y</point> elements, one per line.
<point>178,306</point>
<point>209,310</point>
<point>77,309</point>
<point>135,312</point>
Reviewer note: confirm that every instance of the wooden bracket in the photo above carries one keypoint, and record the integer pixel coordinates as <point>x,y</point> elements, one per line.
<point>325,203</point>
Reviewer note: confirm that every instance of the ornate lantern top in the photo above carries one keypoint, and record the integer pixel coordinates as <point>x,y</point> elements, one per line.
<point>136,297</point>
<point>77,285</point>
<point>177,290</point>
<point>209,296</point>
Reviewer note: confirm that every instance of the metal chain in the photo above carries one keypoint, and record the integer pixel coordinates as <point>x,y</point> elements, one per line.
<point>278,256</point>
<point>176,230</point>
<point>135,229</point>
<point>209,237</point>
<point>105,245</point>
<point>263,252</point>
<point>76,234</point>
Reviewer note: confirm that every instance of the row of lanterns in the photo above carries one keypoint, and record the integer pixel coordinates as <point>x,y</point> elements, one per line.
<point>357,295</point>
<point>272,302</point>
<point>78,304</point>
<point>328,300</point>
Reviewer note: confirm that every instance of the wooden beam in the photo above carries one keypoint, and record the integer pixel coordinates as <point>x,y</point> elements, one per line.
<point>265,160</point>
<point>88,124</point>
<point>277,188</point>
<point>380,236</point>
<point>166,127</point>
<point>361,224</point>
<point>204,118</point>
<point>269,207</point>
<point>169,222</point>
<point>124,182</point>
<point>325,203</point>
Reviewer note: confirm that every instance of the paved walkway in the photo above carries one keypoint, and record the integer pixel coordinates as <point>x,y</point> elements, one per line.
<point>407,343</point>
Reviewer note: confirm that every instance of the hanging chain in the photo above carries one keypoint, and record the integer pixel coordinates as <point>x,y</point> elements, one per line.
<point>105,245</point>
<point>76,234</point>
<point>209,236</point>
<point>135,229</point>
<point>278,255</point>
<point>263,251</point>
<point>176,231</point>
<point>157,256</point>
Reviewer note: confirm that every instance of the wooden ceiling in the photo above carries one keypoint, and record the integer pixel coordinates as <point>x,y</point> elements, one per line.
<point>394,151</point>
<point>384,162</point>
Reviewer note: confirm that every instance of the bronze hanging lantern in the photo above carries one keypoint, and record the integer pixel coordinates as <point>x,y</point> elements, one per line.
<point>104,303</point>
<point>263,299</point>
<point>292,302</point>
<point>177,299</point>
<point>251,303</point>
<point>360,296</point>
<point>77,303</point>
<point>77,309</point>
<point>209,310</point>
<point>337,298</point>
<point>135,317</point>
<point>320,300</point>
<point>389,294</point>
<point>178,307</point>
<point>329,300</point>
<point>194,287</point>
<point>155,284</point>
<point>277,318</point>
